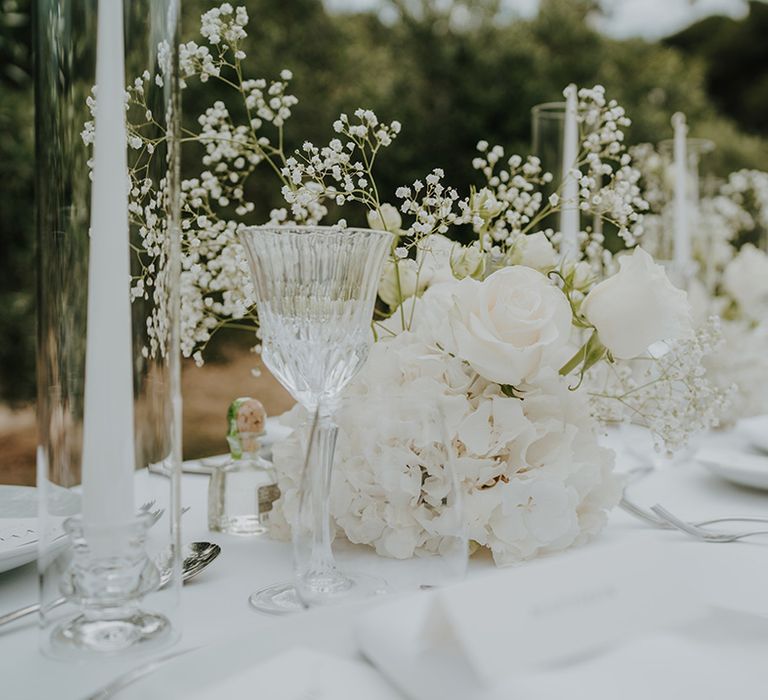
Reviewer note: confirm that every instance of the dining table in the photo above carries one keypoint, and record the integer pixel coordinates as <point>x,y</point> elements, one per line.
<point>222,635</point>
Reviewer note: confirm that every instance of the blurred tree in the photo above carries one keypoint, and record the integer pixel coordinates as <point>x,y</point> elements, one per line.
<point>15,57</point>
<point>17,281</point>
<point>736,56</point>
<point>452,71</point>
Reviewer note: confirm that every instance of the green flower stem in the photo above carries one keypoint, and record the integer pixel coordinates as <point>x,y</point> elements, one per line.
<point>586,356</point>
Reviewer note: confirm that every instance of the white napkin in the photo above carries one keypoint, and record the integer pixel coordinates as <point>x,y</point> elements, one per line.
<point>755,429</point>
<point>302,674</point>
<point>721,656</point>
<point>469,641</point>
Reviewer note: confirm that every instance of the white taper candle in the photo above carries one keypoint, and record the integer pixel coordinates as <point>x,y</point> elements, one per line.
<point>108,448</point>
<point>682,235</point>
<point>569,193</point>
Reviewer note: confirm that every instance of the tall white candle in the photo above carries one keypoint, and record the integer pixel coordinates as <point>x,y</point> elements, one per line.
<point>569,193</point>
<point>682,235</point>
<point>108,447</point>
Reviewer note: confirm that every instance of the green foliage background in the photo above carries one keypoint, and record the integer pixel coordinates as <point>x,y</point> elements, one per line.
<point>451,76</point>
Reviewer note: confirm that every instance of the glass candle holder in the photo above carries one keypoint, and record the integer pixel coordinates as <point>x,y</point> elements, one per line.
<point>109,574</point>
<point>548,139</point>
<point>109,406</point>
<point>662,238</point>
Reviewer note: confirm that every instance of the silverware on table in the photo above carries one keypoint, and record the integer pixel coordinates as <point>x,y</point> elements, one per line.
<point>197,556</point>
<point>699,531</point>
<point>669,521</point>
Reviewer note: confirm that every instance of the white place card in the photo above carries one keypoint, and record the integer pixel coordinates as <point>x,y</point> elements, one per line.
<point>463,641</point>
<point>554,610</point>
<point>303,674</point>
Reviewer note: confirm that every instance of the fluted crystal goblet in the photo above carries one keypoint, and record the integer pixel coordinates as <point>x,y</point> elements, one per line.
<point>315,289</point>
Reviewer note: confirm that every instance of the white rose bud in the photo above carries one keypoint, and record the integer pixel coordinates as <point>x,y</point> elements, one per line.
<point>467,261</point>
<point>433,254</point>
<point>485,205</point>
<point>535,251</point>
<point>746,280</point>
<point>391,221</point>
<point>637,307</point>
<point>388,288</point>
<point>582,275</point>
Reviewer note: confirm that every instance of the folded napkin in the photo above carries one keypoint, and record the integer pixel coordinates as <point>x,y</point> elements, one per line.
<point>469,641</point>
<point>302,674</point>
<point>720,656</point>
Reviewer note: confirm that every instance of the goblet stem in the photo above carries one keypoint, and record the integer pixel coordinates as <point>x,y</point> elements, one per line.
<point>322,558</point>
<point>315,566</point>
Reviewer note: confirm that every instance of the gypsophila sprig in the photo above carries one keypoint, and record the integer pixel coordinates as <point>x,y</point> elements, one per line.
<point>512,202</point>
<point>668,391</point>
<point>341,171</point>
<point>216,287</point>
<point>432,206</point>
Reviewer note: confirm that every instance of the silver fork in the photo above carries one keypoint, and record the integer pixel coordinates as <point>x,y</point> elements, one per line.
<point>650,517</point>
<point>145,507</point>
<point>157,514</point>
<point>696,530</point>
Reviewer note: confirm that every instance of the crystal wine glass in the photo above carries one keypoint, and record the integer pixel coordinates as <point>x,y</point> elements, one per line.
<point>315,289</point>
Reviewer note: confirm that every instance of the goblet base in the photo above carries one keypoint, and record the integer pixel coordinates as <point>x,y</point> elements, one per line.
<point>284,599</point>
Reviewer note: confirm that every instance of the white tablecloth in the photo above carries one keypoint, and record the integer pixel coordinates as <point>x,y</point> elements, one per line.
<point>216,612</point>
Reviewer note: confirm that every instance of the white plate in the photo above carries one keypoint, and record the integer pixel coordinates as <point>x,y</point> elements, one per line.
<point>19,530</point>
<point>745,467</point>
<point>756,431</point>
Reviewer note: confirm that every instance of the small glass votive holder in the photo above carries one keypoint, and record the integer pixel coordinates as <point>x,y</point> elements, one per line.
<point>242,490</point>
<point>108,575</point>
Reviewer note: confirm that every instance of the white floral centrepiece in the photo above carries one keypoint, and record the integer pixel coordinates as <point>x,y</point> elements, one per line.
<point>503,331</point>
<point>534,476</point>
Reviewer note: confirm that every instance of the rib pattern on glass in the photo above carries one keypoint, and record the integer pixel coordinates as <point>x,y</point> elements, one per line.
<point>315,290</point>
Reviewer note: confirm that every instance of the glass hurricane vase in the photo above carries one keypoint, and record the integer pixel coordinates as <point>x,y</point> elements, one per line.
<point>315,288</point>
<point>109,449</point>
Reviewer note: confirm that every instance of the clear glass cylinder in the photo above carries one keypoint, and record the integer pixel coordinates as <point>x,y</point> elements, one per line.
<point>109,406</point>
<point>548,144</point>
<point>663,242</point>
<point>547,134</point>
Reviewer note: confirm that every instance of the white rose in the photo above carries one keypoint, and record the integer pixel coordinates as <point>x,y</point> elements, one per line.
<point>637,307</point>
<point>391,220</point>
<point>535,251</point>
<point>509,325</point>
<point>746,280</point>
<point>411,282</point>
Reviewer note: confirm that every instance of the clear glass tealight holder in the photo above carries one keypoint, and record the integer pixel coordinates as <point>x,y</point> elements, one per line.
<point>108,574</point>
